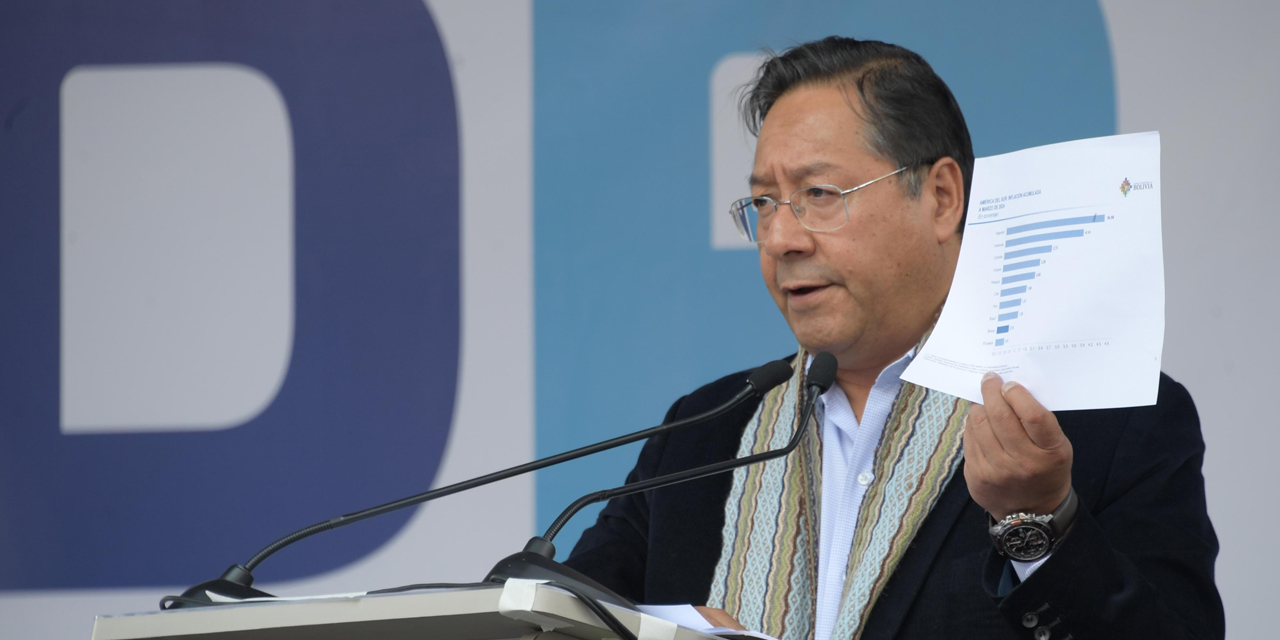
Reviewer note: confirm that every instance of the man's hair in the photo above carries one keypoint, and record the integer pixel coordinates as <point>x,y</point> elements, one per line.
<point>912,118</point>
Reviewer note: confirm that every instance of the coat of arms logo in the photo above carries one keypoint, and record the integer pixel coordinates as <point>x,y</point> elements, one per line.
<point>1125,187</point>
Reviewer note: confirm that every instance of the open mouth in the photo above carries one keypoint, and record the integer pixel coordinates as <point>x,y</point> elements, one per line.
<point>800,291</point>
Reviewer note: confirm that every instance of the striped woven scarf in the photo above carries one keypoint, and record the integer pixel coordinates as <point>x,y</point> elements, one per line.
<point>767,575</point>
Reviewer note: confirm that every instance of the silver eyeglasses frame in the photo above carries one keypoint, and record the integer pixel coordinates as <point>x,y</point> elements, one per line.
<point>740,207</point>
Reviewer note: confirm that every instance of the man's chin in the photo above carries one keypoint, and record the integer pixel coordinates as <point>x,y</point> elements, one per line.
<point>833,331</point>
<point>819,342</point>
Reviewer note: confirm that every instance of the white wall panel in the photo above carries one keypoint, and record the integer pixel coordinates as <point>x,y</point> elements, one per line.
<point>1204,75</point>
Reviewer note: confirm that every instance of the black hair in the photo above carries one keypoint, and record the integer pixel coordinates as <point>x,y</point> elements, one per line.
<point>912,118</point>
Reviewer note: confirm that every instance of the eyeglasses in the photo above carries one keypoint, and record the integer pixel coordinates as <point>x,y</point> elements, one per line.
<point>819,207</point>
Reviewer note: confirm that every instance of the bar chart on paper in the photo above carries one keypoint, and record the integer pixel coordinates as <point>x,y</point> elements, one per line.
<point>1060,280</point>
<point>1018,271</point>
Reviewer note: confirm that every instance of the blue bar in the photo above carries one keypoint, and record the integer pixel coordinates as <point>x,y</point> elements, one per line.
<point>999,342</point>
<point>1002,329</point>
<point>1025,264</point>
<point>1009,255</point>
<point>1016,302</point>
<point>1074,233</point>
<point>1012,315</point>
<point>1013,291</point>
<point>1030,275</point>
<point>1060,222</point>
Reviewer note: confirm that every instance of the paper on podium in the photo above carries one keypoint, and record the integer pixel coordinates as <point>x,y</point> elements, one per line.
<point>686,616</point>
<point>221,599</point>
<point>1060,280</point>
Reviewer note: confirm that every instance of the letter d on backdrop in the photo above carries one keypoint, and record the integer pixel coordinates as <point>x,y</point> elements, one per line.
<point>229,280</point>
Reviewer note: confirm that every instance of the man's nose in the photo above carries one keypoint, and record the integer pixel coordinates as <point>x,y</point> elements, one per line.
<point>786,237</point>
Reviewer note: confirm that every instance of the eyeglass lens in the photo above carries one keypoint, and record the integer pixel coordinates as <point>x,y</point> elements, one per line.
<point>819,208</point>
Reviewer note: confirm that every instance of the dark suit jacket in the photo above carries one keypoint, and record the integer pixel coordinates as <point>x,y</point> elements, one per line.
<point>1137,563</point>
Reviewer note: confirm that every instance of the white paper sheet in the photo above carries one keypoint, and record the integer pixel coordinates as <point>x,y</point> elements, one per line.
<point>221,599</point>
<point>686,616</point>
<point>682,614</point>
<point>1060,281</point>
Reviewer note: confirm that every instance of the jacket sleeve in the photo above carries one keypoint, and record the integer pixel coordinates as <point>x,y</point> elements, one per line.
<point>1138,562</point>
<point>614,551</point>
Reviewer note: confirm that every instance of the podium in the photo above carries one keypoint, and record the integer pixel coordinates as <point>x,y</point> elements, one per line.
<point>470,613</point>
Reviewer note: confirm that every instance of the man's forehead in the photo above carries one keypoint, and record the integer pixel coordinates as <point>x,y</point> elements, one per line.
<point>811,130</point>
<point>792,174</point>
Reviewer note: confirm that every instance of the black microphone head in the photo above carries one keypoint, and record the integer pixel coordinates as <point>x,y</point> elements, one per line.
<point>769,375</point>
<point>822,372</point>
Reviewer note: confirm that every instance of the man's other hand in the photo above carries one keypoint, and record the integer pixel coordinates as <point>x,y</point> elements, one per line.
<point>1016,458</point>
<point>718,618</point>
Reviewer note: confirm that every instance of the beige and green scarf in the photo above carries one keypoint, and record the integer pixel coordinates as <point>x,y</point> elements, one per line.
<point>767,575</point>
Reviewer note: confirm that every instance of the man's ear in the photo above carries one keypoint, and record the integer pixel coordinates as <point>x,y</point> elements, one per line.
<point>946,183</point>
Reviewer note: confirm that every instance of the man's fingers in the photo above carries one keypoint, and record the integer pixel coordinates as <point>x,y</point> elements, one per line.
<point>1040,425</point>
<point>1004,422</point>
<point>977,429</point>
<point>719,618</point>
<point>975,456</point>
<point>1031,468</point>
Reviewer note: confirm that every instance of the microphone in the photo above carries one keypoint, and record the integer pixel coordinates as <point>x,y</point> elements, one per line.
<point>236,582</point>
<point>537,561</point>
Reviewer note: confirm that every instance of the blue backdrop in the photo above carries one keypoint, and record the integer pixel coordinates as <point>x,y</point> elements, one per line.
<point>633,307</point>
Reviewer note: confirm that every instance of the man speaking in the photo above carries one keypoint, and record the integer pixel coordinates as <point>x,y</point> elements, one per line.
<point>904,519</point>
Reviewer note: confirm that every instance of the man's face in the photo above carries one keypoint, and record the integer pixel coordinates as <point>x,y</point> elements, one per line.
<point>864,292</point>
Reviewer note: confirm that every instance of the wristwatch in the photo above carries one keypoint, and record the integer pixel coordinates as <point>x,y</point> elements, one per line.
<point>1027,537</point>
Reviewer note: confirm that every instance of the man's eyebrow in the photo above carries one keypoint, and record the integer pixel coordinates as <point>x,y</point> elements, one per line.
<point>810,170</point>
<point>796,175</point>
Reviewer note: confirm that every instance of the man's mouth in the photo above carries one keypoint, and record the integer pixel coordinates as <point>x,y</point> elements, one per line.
<point>805,289</point>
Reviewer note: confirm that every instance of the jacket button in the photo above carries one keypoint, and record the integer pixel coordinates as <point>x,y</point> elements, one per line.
<point>1042,633</point>
<point>1030,620</point>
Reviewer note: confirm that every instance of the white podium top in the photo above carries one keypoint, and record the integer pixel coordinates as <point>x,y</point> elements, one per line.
<point>445,614</point>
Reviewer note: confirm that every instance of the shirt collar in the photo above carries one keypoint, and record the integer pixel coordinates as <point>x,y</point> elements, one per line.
<point>892,372</point>
<point>836,404</point>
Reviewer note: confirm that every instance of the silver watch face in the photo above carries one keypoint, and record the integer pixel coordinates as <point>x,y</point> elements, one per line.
<point>1026,541</point>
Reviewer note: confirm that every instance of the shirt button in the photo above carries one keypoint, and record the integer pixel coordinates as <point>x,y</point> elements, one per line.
<point>1030,620</point>
<point>1042,633</point>
<point>865,478</point>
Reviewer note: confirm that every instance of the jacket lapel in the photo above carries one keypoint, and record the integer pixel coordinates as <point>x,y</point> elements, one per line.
<point>891,607</point>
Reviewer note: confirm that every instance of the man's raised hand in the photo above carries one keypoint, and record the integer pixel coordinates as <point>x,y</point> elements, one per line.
<point>1016,457</point>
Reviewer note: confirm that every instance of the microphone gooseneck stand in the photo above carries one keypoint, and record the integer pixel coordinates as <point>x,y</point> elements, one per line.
<point>236,582</point>
<point>537,561</point>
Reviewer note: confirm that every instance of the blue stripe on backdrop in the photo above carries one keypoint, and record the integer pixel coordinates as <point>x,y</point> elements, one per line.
<point>633,308</point>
